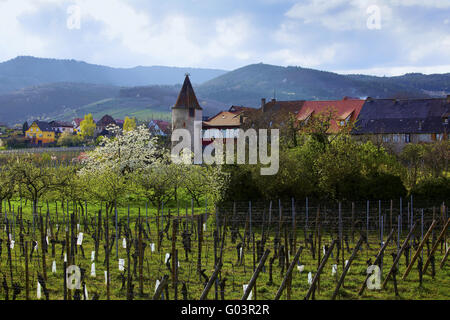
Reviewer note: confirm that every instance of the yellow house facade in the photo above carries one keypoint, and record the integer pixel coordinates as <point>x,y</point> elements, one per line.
<point>40,133</point>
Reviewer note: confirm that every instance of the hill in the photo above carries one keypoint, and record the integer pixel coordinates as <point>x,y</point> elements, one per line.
<point>144,103</point>
<point>44,101</point>
<point>66,101</point>
<point>249,84</point>
<point>24,71</point>
<point>126,92</point>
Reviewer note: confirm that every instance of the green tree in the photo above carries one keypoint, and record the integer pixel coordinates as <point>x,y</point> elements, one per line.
<point>436,157</point>
<point>25,127</point>
<point>68,139</point>
<point>129,124</point>
<point>412,158</point>
<point>7,183</point>
<point>35,179</point>
<point>87,127</point>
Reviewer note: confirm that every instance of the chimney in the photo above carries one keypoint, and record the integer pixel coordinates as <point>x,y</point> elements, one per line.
<point>263,104</point>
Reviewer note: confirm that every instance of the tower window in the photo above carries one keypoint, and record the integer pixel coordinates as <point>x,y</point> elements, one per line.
<point>191,112</point>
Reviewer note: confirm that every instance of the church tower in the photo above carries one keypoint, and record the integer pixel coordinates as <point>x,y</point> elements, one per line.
<point>187,110</point>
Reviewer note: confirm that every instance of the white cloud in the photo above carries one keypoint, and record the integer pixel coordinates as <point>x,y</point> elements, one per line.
<point>437,4</point>
<point>323,34</point>
<point>12,35</point>
<point>340,15</point>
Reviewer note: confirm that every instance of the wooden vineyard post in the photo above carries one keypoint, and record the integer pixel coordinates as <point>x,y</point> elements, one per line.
<point>158,241</point>
<point>294,225</point>
<point>399,254</point>
<point>161,287</point>
<point>255,275</point>
<point>141,261</point>
<point>27,274</point>
<point>68,251</point>
<point>286,256</point>
<point>176,275</point>
<point>200,239</point>
<point>128,269</point>
<point>319,270</point>
<point>318,240</point>
<point>353,222</point>
<point>416,255</point>
<point>108,276</point>
<point>99,233</point>
<point>288,275</point>
<point>390,215</point>
<point>211,281</point>
<point>435,246</point>
<point>444,258</point>
<point>117,234</point>
<point>174,243</point>
<point>378,258</point>
<point>443,214</point>
<point>44,264</point>
<point>347,266</point>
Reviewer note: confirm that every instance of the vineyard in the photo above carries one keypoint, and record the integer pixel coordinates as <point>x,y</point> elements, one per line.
<point>274,250</point>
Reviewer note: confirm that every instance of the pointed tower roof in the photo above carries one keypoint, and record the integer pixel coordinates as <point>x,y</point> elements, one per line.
<point>186,98</point>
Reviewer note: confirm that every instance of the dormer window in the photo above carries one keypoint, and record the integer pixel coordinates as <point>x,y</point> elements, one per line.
<point>445,120</point>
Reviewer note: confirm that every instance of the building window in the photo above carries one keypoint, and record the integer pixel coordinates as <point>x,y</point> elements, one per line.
<point>439,137</point>
<point>396,138</point>
<point>191,112</point>
<point>386,139</point>
<point>407,138</point>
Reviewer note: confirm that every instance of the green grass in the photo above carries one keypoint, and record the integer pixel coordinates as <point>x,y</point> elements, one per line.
<point>119,108</point>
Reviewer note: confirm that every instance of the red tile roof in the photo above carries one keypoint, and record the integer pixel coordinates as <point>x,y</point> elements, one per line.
<point>342,108</point>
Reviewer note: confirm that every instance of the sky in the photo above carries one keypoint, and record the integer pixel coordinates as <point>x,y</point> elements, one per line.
<point>377,37</point>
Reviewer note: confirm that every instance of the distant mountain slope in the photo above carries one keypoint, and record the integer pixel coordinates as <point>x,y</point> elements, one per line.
<point>47,100</point>
<point>249,84</point>
<point>66,101</point>
<point>24,71</point>
<point>63,90</point>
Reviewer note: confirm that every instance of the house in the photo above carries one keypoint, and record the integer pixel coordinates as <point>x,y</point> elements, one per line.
<point>225,124</point>
<point>103,123</point>
<point>159,127</point>
<point>341,112</point>
<point>401,121</point>
<point>120,123</point>
<point>61,127</point>
<point>40,133</point>
<point>76,124</point>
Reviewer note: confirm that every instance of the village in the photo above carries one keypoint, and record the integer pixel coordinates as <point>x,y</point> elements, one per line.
<point>391,122</point>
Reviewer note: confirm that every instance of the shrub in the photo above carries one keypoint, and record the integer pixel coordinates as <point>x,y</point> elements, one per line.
<point>434,189</point>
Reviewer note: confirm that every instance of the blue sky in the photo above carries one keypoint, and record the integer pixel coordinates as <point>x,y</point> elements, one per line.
<point>378,37</point>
